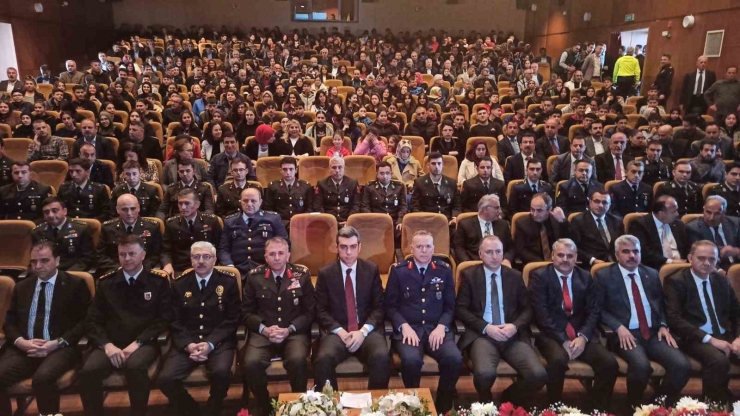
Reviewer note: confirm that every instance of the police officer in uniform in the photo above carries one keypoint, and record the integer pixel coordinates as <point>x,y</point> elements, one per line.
<point>435,192</point>
<point>420,303</point>
<point>131,308</point>
<point>129,221</point>
<point>6,166</point>
<point>21,200</point>
<point>686,193</point>
<point>74,238</point>
<point>206,314</point>
<point>522,193</point>
<point>337,195</point>
<point>227,202</point>
<point>84,198</point>
<point>632,195</point>
<point>181,231</point>
<point>575,193</point>
<point>386,197</point>
<point>245,233</point>
<point>657,168</point>
<point>147,194</point>
<point>288,196</point>
<point>729,190</point>
<point>186,176</point>
<point>278,307</point>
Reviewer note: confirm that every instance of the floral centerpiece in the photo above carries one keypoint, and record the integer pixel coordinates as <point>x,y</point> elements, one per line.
<point>310,403</point>
<point>476,409</point>
<point>508,409</point>
<point>398,404</point>
<point>684,407</point>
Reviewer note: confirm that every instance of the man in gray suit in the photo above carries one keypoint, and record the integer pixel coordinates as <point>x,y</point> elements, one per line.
<point>596,143</point>
<point>719,228</point>
<point>564,166</point>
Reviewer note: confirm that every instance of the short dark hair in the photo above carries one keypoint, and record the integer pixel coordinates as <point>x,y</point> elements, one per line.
<point>660,203</point>
<point>289,160</point>
<point>384,164</point>
<point>83,163</point>
<point>483,159</point>
<point>55,252</point>
<point>127,239</point>
<point>435,155</point>
<point>52,199</point>
<point>348,232</point>
<point>182,162</point>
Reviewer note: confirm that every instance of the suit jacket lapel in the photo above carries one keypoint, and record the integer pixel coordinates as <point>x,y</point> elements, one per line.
<point>480,285</point>
<point>339,286</point>
<point>60,292</point>
<point>617,276</point>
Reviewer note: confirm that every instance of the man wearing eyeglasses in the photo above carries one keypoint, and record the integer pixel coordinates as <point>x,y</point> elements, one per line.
<point>221,169</point>
<point>229,194</point>
<point>206,314</point>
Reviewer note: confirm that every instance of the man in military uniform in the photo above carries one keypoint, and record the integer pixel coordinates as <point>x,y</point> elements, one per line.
<point>147,194</point>
<point>278,307</point>
<point>657,168</point>
<point>575,193</point>
<point>686,193</point>
<point>435,192</point>
<point>482,184</point>
<point>632,195</point>
<point>522,193</point>
<point>250,228</point>
<point>131,308</point>
<point>6,167</point>
<point>729,190</point>
<point>186,176</point>
<point>229,194</point>
<point>337,195</point>
<point>182,230</point>
<point>21,200</point>
<point>74,238</point>
<point>420,303</point>
<point>84,198</point>
<point>288,196</point>
<point>206,313</point>
<point>386,197</point>
<point>129,221</point>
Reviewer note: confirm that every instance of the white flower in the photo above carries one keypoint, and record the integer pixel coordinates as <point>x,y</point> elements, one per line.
<point>489,409</point>
<point>736,409</point>
<point>687,403</point>
<point>645,410</point>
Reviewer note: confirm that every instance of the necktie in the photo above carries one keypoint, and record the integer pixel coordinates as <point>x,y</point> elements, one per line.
<point>546,254</point>
<point>699,83</point>
<point>422,270</point>
<point>349,294</point>
<point>129,229</point>
<point>640,308</point>
<point>336,185</point>
<point>602,231</point>
<point>191,226</point>
<point>278,281</point>
<point>585,189</point>
<point>495,306</point>
<point>79,191</point>
<point>131,191</point>
<point>710,309</point>
<point>131,281</point>
<point>289,188</point>
<point>38,323</point>
<point>554,146</point>
<point>618,168</point>
<point>485,187</point>
<point>667,249</point>
<point>202,285</point>
<point>439,188</point>
<point>634,189</point>
<point>488,229</point>
<point>249,223</point>
<point>718,238</point>
<point>534,189</point>
<point>568,307</point>
<point>515,145</point>
<point>55,232</point>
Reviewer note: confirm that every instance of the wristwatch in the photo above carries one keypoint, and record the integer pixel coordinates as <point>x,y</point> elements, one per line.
<point>365,332</point>
<point>62,342</point>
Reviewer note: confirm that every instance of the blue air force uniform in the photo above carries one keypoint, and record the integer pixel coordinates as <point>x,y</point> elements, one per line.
<point>243,239</point>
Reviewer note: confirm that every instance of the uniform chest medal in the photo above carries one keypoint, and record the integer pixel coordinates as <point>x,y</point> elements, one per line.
<point>300,202</point>
<point>395,202</point>
<point>220,293</point>
<point>406,293</point>
<point>147,296</point>
<point>264,231</point>
<point>449,200</point>
<point>346,199</point>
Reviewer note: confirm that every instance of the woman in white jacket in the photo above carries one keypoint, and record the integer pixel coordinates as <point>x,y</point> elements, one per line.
<point>478,149</point>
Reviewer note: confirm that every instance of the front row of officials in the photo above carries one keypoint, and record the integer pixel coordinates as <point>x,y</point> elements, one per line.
<point>133,306</point>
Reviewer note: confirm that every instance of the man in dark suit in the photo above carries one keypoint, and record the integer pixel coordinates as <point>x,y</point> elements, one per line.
<point>673,147</point>
<point>99,171</point>
<point>632,305</point>
<point>551,143</point>
<point>103,145</point>
<point>509,145</point>
<point>657,168</point>
<point>516,165</point>
<point>132,307</point>
<point>482,184</point>
<point>349,310</point>
<point>719,228</point>
<point>220,168</point>
<point>596,143</point>
<point>471,230</point>
<point>522,193</point>
<point>74,238</point>
<point>279,307</point>
<point>595,231</point>
<point>574,194</point>
<point>206,303</point>
<point>566,309</point>
<point>662,234</point>
<point>688,195</point>
<point>493,305</point>
<point>695,84</point>
<point>44,322</point>
<point>631,194</point>
<point>21,199</point>
<point>536,232</point>
<point>420,303</point>
<point>338,195</point>
<point>612,165</point>
<point>704,313</point>
<point>564,167</point>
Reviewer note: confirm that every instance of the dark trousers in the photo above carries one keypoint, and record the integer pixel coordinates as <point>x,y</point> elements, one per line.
<point>715,365</point>
<point>179,366</point>
<point>294,352</point>
<point>697,105</point>
<point>625,85</point>
<point>676,365</point>
<point>448,357</point>
<point>602,361</point>
<point>486,355</point>
<point>98,367</point>
<point>16,366</point>
<point>373,353</point>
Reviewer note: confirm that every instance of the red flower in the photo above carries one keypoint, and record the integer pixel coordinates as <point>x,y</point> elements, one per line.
<point>520,412</point>
<point>662,411</point>
<point>549,412</point>
<point>506,409</point>
<point>243,412</point>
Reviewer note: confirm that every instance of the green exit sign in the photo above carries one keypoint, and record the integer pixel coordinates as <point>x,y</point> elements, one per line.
<point>629,17</point>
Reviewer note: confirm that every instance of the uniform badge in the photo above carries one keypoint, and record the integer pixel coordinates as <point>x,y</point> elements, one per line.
<point>146,233</point>
<point>147,296</point>
<point>219,290</point>
<point>220,308</point>
<point>300,202</point>
<point>439,295</point>
<point>449,200</point>
<point>346,199</point>
<point>395,202</point>
<point>295,301</point>
<point>295,284</point>
<point>188,295</point>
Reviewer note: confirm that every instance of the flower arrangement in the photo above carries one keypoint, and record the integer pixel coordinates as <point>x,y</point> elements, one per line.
<point>398,404</point>
<point>310,403</point>
<point>508,409</point>
<point>684,407</point>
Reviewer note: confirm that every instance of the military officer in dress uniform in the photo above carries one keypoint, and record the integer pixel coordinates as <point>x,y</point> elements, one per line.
<point>21,200</point>
<point>129,221</point>
<point>207,306</point>
<point>386,197</point>
<point>147,194</point>
<point>575,193</point>
<point>522,193</point>
<point>181,231</point>
<point>245,233</point>
<point>657,168</point>
<point>686,193</point>
<point>186,176</point>
<point>278,308</point>
<point>6,166</point>
<point>228,200</point>
<point>420,303</point>
<point>337,195</point>
<point>631,194</point>
<point>288,196</point>
<point>435,192</point>
<point>729,190</point>
<point>84,198</point>
<point>131,308</point>
<point>74,238</point>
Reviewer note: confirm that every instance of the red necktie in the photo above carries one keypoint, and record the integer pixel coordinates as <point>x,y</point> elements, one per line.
<point>568,306</point>
<point>641,318</point>
<point>349,294</point>
<point>618,174</point>
<point>554,146</point>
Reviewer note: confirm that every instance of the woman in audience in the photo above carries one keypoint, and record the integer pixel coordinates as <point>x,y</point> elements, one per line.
<point>372,145</point>
<point>675,120</point>
<point>384,126</point>
<point>478,149</point>
<point>70,127</point>
<point>344,76</point>
<point>106,128</point>
<point>30,94</point>
<point>374,106</point>
<point>404,167</point>
<point>731,129</point>
<point>94,93</point>
<point>212,143</point>
<point>246,126</point>
<point>120,88</point>
<point>182,150</point>
<point>187,125</point>
<point>25,129</point>
<point>338,148</point>
<point>6,116</point>
<point>230,102</point>
<point>133,151</point>
<point>266,143</point>
<point>298,144</point>
<point>321,104</point>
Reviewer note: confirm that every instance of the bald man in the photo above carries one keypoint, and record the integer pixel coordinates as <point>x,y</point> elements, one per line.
<point>129,222</point>
<point>695,84</point>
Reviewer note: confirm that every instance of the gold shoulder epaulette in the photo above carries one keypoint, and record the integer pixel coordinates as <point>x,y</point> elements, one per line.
<point>111,221</point>
<point>110,273</point>
<point>160,273</point>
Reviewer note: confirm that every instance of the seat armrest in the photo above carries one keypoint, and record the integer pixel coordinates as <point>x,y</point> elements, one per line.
<point>315,332</point>
<point>459,327</point>
<point>241,333</point>
<point>388,328</point>
<point>83,343</point>
<point>163,338</point>
<point>535,330</point>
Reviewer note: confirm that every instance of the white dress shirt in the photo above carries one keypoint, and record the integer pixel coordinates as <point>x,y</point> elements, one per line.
<point>353,277</point>
<point>707,327</point>
<point>634,322</point>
